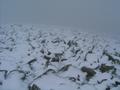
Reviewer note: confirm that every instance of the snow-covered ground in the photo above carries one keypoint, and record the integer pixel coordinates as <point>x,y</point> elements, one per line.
<point>47,58</point>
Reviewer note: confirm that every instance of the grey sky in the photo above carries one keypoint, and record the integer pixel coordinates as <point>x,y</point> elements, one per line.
<point>101,16</point>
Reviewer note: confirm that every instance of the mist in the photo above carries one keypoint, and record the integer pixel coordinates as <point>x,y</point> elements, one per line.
<point>95,16</point>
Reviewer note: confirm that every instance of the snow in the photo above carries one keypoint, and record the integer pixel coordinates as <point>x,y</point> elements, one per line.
<point>52,57</point>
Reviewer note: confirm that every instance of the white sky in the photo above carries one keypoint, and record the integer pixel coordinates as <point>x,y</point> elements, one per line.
<point>99,16</point>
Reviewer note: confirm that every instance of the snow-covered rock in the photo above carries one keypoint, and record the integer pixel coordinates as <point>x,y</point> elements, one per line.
<point>50,58</point>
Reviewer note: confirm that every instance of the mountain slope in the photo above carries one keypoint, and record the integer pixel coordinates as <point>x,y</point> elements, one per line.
<point>47,58</point>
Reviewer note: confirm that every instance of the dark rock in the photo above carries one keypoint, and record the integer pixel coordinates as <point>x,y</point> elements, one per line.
<point>90,72</point>
<point>49,53</point>
<point>111,58</point>
<point>47,72</point>
<point>105,68</point>
<point>23,76</point>
<point>117,83</point>
<point>58,54</point>
<point>77,51</point>
<point>31,61</point>
<point>56,40</point>
<point>4,73</point>
<point>78,77</point>
<point>32,47</point>
<point>90,51</point>
<point>1,83</point>
<point>47,63</point>
<point>43,41</point>
<point>108,88</point>
<point>42,51</point>
<point>63,59</point>
<point>65,68</point>
<point>99,82</point>
<point>71,43</point>
<point>47,57</point>
<point>55,59</point>
<point>72,79</point>
<point>28,54</point>
<point>11,49</point>
<point>117,54</point>
<point>34,87</point>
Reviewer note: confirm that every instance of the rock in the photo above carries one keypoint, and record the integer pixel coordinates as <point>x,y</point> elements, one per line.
<point>65,68</point>
<point>31,62</point>
<point>105,68</point>
<point>48,71</point>
<point>111,58</point>
<point>47,57</point>
<point>99,82</point>
<point>49,53</point>
<point>55,59</point>
<point>108,88</point>
<point>63,60</point>
<point>22,74</point>
<point>117,83</point>
<point>71,43</point>
<point>1,83</point>
<point>58,54</point>
<point>4,73</point>
<point>72,79</point>
<point>43,41</point>
<point>34,87</point>
<point>42,51</point>
<point>90,72</point>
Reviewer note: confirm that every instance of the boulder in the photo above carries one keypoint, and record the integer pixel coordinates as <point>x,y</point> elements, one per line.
<point>90,72</point>
<point>34,87</point>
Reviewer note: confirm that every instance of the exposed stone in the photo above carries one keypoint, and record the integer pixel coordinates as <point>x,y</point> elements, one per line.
<point>31,62</point>
<point>63,59</point>
<point>34,87</point>
<point>65,68</point>
<point>4,72</point>
<point>47,57</point>
<point>111,58</point>
<point>1,83</point>
<point>116,84</point>
<point>108,88</point>
<point>90,72</point>
<point>105,68</point>
<point>72,79</point>
<point>55,59</point>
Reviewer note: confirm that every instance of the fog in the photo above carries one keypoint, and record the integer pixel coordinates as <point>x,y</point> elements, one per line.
<point>95,16</point>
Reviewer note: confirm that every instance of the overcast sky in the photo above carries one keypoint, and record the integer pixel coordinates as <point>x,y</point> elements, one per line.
<point>101,16</point>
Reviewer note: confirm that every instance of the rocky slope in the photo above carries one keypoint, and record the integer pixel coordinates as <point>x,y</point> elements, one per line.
<point>45,58</point>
